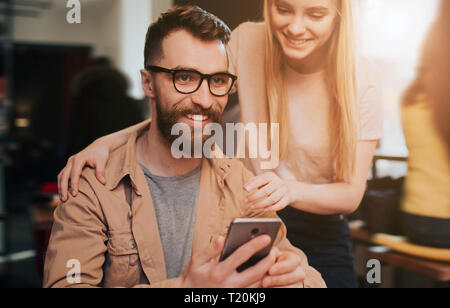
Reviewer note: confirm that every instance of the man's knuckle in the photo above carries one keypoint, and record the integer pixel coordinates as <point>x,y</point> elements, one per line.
<point>217,275</point>
<point>228,284</point>
<point>302,273</point>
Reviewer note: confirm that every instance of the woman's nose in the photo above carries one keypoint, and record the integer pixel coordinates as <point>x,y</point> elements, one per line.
<point>297,27</point>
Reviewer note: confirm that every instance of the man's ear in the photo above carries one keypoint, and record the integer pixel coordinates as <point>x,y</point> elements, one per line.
<point>148,84</point>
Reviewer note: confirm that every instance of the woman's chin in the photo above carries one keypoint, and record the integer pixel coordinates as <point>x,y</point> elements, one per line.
<point>296,54</point>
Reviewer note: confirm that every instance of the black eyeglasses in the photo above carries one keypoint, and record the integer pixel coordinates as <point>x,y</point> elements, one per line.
<point>188,81</point>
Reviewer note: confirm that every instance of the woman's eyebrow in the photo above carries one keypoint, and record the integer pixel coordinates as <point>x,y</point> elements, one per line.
<point>281,2</point>
<point>322,9</point>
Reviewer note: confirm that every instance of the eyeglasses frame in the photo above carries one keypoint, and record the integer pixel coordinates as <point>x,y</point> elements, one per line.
<point>173,72</point>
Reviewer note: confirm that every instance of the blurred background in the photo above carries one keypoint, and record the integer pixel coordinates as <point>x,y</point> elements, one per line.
<point>51,72</point>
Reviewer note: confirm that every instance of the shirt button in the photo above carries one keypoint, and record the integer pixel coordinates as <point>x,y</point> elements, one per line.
<point>130,215</point>
<point>132,244</point>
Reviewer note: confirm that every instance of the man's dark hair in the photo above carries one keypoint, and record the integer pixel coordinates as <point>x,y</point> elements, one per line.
<point>196,21</point>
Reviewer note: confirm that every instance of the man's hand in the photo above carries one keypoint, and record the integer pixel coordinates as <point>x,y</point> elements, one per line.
<point>286,272</point>
<point>204,271</point>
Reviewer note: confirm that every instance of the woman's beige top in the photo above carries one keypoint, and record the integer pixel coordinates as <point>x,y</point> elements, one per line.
<point>309,157</point>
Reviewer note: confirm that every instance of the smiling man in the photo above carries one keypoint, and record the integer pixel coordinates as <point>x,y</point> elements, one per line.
<point>160,221</point>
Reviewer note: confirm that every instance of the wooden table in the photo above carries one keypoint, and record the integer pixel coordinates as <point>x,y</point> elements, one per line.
<point>439,271</point>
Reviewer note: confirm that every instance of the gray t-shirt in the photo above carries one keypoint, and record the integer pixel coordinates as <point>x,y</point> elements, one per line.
<point>175,202</point>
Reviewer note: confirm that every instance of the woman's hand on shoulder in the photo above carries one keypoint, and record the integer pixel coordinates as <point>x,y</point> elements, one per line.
<point>95,156</point>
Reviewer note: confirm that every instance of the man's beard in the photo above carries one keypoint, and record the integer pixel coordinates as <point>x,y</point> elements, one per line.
<point>168,118</point>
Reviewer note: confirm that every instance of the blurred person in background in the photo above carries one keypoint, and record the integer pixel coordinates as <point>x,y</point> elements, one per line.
<point>102,105</point>
<point>298,69</point>
<point>425,116</point>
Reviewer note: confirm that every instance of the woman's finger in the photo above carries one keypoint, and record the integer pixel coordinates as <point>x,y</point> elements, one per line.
<point>59,182</point>
<point>269,201</point>
<point>100,172</point>
<point>258,181</point>
<point>280,205</point>
<point>263,192</point>
<point>77,168</point>
<point>63,184</point>
<point>283,203</point>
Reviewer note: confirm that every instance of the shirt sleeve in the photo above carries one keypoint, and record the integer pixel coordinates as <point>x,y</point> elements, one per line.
<point>370,102</point>
<point>77,247</point>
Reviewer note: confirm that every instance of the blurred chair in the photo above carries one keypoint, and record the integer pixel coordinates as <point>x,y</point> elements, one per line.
<point>43,205</point>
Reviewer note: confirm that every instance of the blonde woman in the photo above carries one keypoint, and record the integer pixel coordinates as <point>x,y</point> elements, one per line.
<point>298,69</point>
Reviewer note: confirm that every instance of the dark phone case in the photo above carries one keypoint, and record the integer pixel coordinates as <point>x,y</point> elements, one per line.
<point>242,231</point>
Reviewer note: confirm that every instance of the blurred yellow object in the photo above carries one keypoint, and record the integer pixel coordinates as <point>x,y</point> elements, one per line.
<point>55,202</point>
<point>427,187</point>
<point>400,244</point>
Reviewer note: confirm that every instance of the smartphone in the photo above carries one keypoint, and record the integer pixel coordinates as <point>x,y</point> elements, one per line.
<point>243,230</point>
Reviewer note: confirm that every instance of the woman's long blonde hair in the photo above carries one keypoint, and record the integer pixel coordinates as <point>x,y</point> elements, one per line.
<point>341,82</point>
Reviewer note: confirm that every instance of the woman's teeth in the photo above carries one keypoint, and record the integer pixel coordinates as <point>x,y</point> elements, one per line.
<point>298,42</point>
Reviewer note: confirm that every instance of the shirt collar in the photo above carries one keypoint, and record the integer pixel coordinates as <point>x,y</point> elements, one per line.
<point>124,163</point>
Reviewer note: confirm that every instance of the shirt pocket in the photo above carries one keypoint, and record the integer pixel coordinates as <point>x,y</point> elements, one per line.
<point>122,267</point>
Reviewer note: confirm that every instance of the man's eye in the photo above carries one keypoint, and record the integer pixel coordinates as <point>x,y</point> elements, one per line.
<point>184,77</point>
<point>219,80</point>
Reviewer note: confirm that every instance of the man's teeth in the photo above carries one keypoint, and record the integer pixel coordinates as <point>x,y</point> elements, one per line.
<point>197,117</point>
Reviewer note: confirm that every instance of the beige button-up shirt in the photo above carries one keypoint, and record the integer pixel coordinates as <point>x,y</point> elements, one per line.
<point>111,231</point>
